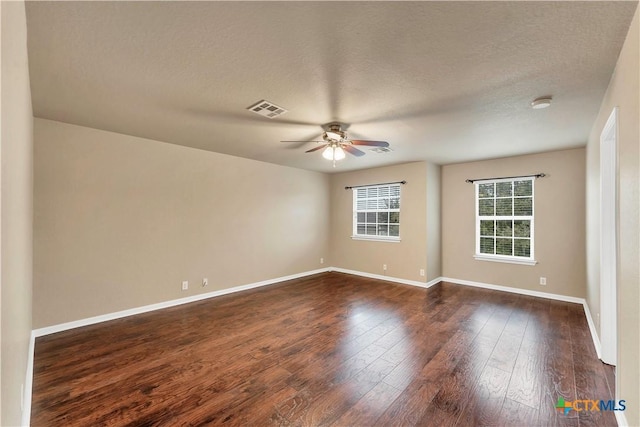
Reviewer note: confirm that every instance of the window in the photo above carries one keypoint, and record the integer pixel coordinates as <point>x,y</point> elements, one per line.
<point>504,220</point>
<point>376,212</point>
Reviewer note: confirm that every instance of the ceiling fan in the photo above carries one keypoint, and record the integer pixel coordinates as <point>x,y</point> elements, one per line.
<point>335,142</point>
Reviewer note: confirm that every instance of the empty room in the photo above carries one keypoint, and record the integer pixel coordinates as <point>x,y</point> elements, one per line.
<point>320,213</point>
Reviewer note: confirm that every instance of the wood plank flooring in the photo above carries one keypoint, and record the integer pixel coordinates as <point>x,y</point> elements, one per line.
<point>330,349</point>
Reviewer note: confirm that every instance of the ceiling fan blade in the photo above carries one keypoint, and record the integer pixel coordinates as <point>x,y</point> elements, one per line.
<point>370,143</point>
<point>320,147</point>
<point>296,145</point>
<point>353,150</point>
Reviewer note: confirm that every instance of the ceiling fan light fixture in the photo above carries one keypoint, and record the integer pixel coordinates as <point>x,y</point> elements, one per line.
<point>328,153</point>
<point>333,153</point>
<point>336,144</point>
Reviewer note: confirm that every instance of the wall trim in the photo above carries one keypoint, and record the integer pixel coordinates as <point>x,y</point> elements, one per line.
<point>528,292</point>
<point>165,304</point>
<point>592,329</point>
<point>557,297</point>
<point>434,282</point>
<point>28,382</point>
<point>621,418</point>
<point>171,303</point>
<point>26,414</point>
<point>387,278</point>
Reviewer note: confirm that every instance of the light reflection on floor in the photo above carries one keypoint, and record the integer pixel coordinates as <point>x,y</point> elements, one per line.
<point>374,340</point>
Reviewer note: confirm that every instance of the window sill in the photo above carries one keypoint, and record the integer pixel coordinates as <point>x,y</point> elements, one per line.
<point>508,260</point>
<point>377,239</point>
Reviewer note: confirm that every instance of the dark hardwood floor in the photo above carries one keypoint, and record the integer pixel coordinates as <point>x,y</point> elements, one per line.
<point>330,349</point>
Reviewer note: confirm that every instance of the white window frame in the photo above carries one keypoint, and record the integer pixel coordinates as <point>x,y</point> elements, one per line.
<point>512,259</point>
<point>355,235</point>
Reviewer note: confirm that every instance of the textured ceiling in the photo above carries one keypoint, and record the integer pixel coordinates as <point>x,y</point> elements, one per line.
<point>441,81</point>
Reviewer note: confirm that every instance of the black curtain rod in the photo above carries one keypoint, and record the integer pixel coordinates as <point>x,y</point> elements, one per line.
<point>371,185</point>
<point>538,175</point>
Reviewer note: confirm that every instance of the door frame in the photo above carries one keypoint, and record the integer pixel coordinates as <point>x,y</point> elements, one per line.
<point>609,238</point>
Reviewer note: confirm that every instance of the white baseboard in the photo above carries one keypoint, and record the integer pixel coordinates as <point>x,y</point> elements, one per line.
<point>514,290</point>
<point>434,282</point>
<point>144,309</point>
<point>592,329</point>
<point>28,383</point>
<point>147,308</point>
<point>28,388</point>
<point>26,415</point>
<point>557,297</point>
<point>387,278</point>
<point>621,419</point>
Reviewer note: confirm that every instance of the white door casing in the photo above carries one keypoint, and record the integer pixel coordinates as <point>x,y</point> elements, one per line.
<point>608,238</point>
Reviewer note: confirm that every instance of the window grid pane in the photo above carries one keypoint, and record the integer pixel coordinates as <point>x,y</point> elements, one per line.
<point>523,188</point>
<point>522,247</point>
<point>487,245</point>
<point>504,207</point>
<point>503,189</point>
<point>504,246</point>
<point>486,207</point>
<point>522,228</point>
<point>486,190</point>
<point>487,228</point>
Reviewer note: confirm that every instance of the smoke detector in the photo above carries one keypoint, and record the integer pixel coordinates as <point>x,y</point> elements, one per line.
<point>267,109</point>
<point>540,103</point>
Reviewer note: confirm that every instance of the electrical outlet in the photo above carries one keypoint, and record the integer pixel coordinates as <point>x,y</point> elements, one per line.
<point>321,260</point>
<point>384,267</point>
<point>185,285</point>
<point>422,272</point>
<point>543,281</point>
<point>205,282</point>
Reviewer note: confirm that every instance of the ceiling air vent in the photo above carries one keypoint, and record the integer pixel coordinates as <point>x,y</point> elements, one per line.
<point>267,109</point>
<point>381,150</point>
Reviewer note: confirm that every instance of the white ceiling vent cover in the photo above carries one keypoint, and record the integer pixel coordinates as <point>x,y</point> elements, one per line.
<point>381,150</point>
<point>267,109</point>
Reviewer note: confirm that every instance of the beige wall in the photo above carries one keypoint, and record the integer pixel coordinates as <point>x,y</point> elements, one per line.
<point>559,223</point>
<point>624,92</point>
<point>16,152</point>
<point>434,235</point>
<point>404,259</point>
<point>121,221</point>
